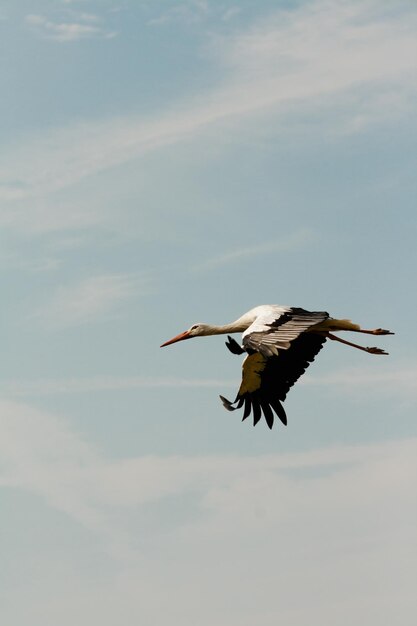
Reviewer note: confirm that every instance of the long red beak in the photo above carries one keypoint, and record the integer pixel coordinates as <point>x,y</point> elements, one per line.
<point>180,337</point>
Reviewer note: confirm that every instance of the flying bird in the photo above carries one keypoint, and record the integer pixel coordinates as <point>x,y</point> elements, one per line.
<point>280,343</point>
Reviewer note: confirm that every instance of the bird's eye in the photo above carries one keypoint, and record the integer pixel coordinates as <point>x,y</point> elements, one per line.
<point>194,327</point>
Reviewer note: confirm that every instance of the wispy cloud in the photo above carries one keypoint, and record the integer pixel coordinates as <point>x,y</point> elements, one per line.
<point>52,386</point>
<point>68,31</point>
<point>15,261</point>
<point>47,215</point>
<point>307,55</point>
<point>398,380</point>
<point>292,242</point>
<point>188,12</point>
<point>87,300</point>
<point>231,13</point>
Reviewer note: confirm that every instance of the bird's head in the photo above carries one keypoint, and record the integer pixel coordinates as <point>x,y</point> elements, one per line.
<point>196,330</point>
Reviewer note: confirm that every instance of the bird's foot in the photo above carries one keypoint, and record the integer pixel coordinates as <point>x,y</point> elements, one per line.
<point>375,351</point>
<point>382,331</point>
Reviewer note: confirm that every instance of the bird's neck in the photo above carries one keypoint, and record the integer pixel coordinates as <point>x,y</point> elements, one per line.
<point>222,330</point>
<point>234,327</point>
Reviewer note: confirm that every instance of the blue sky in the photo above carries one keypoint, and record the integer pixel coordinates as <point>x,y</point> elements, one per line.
<point>163,163</point>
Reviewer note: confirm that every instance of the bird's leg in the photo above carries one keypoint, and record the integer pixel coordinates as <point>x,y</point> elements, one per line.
<point>374,331</point>
<point>355,345</point>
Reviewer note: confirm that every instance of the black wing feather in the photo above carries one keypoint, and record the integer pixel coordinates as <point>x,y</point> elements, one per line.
<point>247,410</point>
<point>268,414</point>
<point>233,346</point>
<point>279,410</point>
<point>279,374</point>
<point>256,408</point>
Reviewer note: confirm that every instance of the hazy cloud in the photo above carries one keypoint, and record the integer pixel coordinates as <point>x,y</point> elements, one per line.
<point>87,300</point>
<point>347,508</point>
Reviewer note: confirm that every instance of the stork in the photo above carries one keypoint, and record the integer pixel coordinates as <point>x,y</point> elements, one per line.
<point>280,343</point>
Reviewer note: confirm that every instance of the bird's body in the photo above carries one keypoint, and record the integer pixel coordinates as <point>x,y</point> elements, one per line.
<point>280,342</point>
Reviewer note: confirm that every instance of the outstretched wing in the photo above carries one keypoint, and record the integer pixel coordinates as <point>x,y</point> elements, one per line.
<point>267,380</point>
<point>276,328</point>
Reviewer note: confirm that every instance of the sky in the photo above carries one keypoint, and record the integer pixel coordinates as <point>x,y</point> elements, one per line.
<point>166,163</point>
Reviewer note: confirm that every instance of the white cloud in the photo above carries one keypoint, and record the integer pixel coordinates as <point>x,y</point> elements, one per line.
<point>306,56</point>
<point>87,300</point>
<point>67,31</point>
<point>225,539</point>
